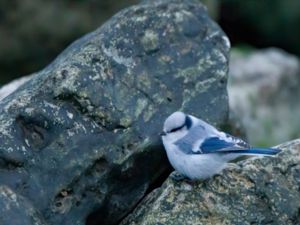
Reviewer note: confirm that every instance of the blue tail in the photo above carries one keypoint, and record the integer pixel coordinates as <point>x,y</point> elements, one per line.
<point>256,151</point>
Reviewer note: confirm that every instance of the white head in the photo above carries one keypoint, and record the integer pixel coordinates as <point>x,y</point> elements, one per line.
<point>176,126</point>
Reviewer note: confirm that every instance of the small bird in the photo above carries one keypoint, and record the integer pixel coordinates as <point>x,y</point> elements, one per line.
<point>197,150</point>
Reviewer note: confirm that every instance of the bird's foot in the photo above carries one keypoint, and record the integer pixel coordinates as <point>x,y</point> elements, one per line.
<point>177,176</point>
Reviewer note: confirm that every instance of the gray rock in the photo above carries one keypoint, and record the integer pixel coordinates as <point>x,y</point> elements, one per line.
<point>30,35</point>
<point>256,191</point>
<point>80,139</point>
<point>16,210</point>
<point>264,93</point>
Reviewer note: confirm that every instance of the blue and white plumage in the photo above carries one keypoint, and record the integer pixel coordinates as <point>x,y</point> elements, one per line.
<point>198,150</point>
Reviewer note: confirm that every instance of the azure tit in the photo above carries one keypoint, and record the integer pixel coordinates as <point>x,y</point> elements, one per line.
<point>197,150</point>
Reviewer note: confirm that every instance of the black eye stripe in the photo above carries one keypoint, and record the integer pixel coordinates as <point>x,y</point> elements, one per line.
<point>177,128</point>
<point>188,122</point>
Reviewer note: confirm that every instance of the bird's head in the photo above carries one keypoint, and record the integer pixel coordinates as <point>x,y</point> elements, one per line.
<point>176,126</point>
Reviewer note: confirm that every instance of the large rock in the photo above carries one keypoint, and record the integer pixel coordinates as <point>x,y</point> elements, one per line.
<point>33,32</point>
<point>81,136</point>
<point>258,191</point>
<point>264,94</point>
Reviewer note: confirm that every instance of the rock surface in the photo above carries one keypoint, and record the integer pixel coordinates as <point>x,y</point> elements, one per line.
<point>264,95</point>
<point>256,191</point>
<point>16,210</point>
<point>30,35</point>
<point>80,139</point>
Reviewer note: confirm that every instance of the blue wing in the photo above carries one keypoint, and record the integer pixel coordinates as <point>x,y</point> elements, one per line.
<point>188,144</point>
<point>215,144</point>
<point>232,145</point>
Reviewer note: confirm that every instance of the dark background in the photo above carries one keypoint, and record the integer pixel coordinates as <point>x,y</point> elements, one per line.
<point>34,32</point>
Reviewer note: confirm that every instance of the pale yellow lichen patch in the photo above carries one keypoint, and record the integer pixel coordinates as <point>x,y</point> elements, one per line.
<point>6,126</point>
<point>117,57</point>
<point>165,58</point>
<point>150,40</point>
<point>8,194</point>
<point>189,74</point>
<point>141,18</point>
<point>186,48</point>
<point>158,98</point>
<point>203,86</point>
<point>29,111</point>
<point>143,81</point>
<point>70,83</point>
<point>149,113</point>
<point>182,15</point>
<point>126,121</point>
<point>140,106</point>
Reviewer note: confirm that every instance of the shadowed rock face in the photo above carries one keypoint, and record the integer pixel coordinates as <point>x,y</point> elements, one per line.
<point>257,191</point>
<point>80,138</point>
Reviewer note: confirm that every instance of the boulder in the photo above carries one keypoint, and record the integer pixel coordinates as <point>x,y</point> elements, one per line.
<point>79,140</point>
<point>261,190</point>
<point>31,37</point>
<point>264,92</point>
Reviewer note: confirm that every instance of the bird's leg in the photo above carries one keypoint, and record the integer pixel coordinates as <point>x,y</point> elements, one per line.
<point>177,176</point>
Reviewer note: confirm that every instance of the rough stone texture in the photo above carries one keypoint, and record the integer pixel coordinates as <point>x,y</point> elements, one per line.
<point>82,135</point>
<point>33,32</point>
<point>264,95</point>
<point>256,191</point>
<point>16,210</point>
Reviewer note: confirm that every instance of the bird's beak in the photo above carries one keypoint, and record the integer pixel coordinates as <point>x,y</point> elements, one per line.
<point>162,133</point>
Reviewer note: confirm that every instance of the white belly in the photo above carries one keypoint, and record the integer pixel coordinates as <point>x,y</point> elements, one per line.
<point>195,166</point>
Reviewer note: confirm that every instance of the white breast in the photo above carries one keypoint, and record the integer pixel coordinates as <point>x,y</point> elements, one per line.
<point>194,166</point>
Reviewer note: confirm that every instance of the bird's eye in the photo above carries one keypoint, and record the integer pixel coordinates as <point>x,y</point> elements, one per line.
<point>176,129</point>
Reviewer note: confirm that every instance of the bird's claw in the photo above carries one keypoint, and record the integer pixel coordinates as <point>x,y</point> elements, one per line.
<point>177,176</point>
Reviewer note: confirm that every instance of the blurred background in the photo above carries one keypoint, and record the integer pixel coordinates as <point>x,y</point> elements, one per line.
<point>264,68</point>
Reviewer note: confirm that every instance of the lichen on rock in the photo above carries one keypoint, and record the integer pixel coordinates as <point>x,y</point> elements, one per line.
<point>262,190</point>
